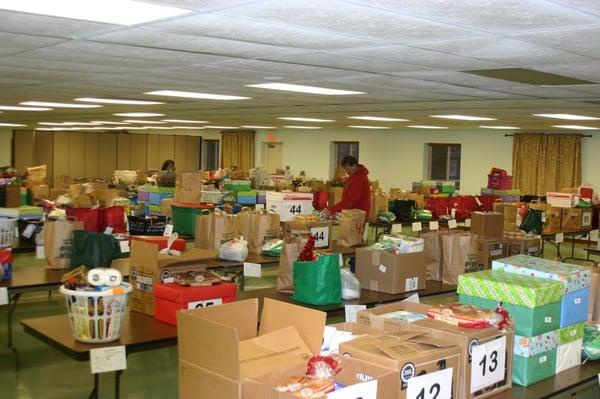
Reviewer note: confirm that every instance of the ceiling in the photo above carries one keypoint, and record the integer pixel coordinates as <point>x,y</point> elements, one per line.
<point>406,55</point>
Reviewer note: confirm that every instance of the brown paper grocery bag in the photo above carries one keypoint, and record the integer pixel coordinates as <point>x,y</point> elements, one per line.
<point>458,250</point>
<point>57,242</point>
<point>433,252</point>
<point>291,248</point>
<point>594,302</point>
<point>256,228</point>
<point>214,230</point>
<point>37,175</point>
<point>352,227</point>
<point>188,188</point>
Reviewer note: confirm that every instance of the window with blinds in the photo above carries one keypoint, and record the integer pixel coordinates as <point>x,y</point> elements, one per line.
<point>443,162</point>
<point>345,148</point>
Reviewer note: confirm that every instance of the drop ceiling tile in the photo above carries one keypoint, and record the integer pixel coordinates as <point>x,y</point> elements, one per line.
<point>41,25</point>
<point>351,19</point>
<point>592,7</point>
<point>545,92</point>
<point>454,78</point>
<point>579,40</point>
<point>497,16</point>
<point>203,5</point>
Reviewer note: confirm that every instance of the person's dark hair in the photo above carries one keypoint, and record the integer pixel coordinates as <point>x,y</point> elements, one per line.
<point>167,163</point>
<point>349,161</point>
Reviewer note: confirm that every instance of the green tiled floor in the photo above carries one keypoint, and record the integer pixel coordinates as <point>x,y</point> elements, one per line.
<point>47,373</point>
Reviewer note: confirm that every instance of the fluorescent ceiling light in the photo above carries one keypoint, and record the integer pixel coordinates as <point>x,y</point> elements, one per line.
<point>464,117</point>
<point>302,127</point>
<point>306,119</point>
<point>221,127</point>
<point>158,127</point>
<point>58,105</point>
<point>117,101</point>
<point>189,127</point>
<point>258,127</point>
<point>500,127</point>
<point>182,121</point>
<point>138,114</point>
<point>67,123</point>
<point>191,94</point>
<point>368,127</point>
<point>46,129</point>
<point>427,127</point>
<point>11,124</point>
<point>575,127</point>
<point>12,108</point>
<point>378,118</point>
<point>109,123</point>
<point>142,121</point>
<point>569,117</point>
<point>304,89</point>
<point>118,12</point>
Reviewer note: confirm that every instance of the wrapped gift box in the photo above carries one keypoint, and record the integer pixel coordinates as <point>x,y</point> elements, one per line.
<point>570,342</point>
<point>171,297</point>
<point>534,358</point>
<point>526,321</point>
<point>575,279</point>
<point>510,288</point>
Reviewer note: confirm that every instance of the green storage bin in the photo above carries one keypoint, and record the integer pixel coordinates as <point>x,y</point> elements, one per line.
<point>238,185</point>
<point>448,187</point>
<point>161,190</point>
<point>184,218</point>
<point>527,321</point>
<point>529,370</point>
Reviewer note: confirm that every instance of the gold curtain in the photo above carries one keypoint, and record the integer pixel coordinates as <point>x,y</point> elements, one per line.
<point>546,162</point>
<point>237,149</point>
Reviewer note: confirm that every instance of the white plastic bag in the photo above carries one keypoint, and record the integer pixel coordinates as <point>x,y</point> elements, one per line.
<point>235,250</point>
<point>350,285</point>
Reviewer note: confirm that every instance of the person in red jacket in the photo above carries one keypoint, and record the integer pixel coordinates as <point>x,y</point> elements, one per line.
<point>357,190</point>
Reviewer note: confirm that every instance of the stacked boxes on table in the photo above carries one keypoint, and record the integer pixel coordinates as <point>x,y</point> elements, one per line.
<point>289,205</point>
<point>576,219</point>
<point>247,197</point>
<point>534,305</point>
<point>489,228</point>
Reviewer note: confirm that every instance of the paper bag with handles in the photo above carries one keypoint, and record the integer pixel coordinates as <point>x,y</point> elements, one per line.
<point>256,228</point>
<point>214,230</point>
<point>352,227</point>
<point>58,241</point>
<point>291,248</point>
<point>433,252</point>
<point>459,252</point>
<point>188,188</point>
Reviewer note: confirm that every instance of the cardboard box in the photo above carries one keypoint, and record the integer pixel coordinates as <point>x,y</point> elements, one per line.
<point>575,219</point>
<point>510,214</point>
<point>552,216</point>
<point>162,242</point>
<point>10,196</point>
<point>165,207</point>
<point>490,250</point>
<point>534,358</point>
<point>488,225</point>
<point>390,273</point>
<point>303,226</point>
<point>219,346</point>
<point>528,246</point>
<point>412,353</point>
<point>147,267</point>
<point>355,371</point>
<point>465,338</point>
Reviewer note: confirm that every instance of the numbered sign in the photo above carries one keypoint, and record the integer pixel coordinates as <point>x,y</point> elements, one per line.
<point>417,226</point>
<point>452,224</point>
<point>437,385</point>
<point>321,235</point>
<point>103,360</point>
<point>560,237</point>
<point>205,303</point>
<point>293,209</point>
<point>467,222</point>
<point>363,390</point>
<point>434,225</point>
<point>252,270</point>
<point>487,366</point>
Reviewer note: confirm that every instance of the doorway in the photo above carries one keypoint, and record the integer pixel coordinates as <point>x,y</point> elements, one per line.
<point>273,158</point>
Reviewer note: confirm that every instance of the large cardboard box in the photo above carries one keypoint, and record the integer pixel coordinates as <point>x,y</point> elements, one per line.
<point>355,371</point>
<point>575,219</point>
<point>488,225</point>
<point>10,196</point>
<point>527,246</point>
<point>221,346</point>
<point>466,338</point>
<point>510,213</point>
<point>552,217</point>
<point>148,267</point>
<point>412,353</point>
<point>387,272</point>
<point>490,250</point>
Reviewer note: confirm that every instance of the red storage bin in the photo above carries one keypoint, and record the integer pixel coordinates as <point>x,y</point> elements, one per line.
<point>91,218</point>
<point>500,182</point>
<point>171,297</point>
<point>161,241</point>
<point>586,193</point>
<point>464,205</point>
<point>438,207</point>
<point>114,217</point>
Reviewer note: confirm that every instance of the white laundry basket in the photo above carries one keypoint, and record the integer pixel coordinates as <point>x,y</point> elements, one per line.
<point>97,316</point>
<point>7,231</point>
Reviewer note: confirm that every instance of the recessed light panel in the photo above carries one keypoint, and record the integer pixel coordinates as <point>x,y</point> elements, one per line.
<point>182,121</point>
<point>368,127</point>
<point>191,94</point>
<point>569,117</point>
<point>299,119</point>
<point>117,101</point>
<point>500,127</point>
<point>575,127</point>
<point>109,123</point>
<point>138,114</point>
<point>463,117</point>
<point>305,89</point>
<point>221,127</point>
<point>302,127</point>
<point>13,108</point>
<point>258,127</point>
<point>142,121</point>
<point>11,124</point>
<point>427,127</point>
<point>58,105</point>
<point>378,118</point>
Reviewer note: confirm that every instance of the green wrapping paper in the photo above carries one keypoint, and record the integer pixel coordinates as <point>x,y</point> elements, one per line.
<point>571,333</point>
<point>529,370</point>
<point>528,322</point>
<point>510,288</point>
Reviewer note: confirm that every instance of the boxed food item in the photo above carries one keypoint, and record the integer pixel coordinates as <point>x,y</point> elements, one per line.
<point>570,342</point>
<point>171,297</point>
<point>221,346</point>
<point>575,219</point>
<point>534,358</point>
<point>289,205</point>
<point>147,267</point>
<point>575,279</point>
<point>488,225</point>
<point>402,316</point>
<point>403,244</point>
<point>524,246</point>
<point>490,250</point>
<point>412,353</point>
<point>562,200</point>
<point>391,273</point>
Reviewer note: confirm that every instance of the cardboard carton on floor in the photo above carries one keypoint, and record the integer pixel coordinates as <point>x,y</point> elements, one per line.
<point>221,346</point>
<point>490,250</point>
<point>387,272</point>
<point>488,225</point>
<point>465,338</point>
<point>527,246</point>
<point>147,267</point>
<point>354,372</point>
<point>412,353</point>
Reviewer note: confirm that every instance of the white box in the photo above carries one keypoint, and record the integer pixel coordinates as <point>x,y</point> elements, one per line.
<point>562,200</point>
<point>568,355</point>
<point>289,205</point>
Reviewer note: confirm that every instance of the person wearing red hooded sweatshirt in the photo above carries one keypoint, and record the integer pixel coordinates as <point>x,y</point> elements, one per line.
<point>357,191</point>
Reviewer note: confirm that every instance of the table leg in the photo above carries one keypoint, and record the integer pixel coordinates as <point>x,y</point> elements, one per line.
<point>242,280</point>
<point>118,383</point>
<point>95,392</point>
<point>10,310</point>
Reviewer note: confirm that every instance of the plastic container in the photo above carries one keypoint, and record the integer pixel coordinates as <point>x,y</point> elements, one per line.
<point>156,198</point>
<point>500,182</point>
<point>152,226</point>
<point>212,197</point>
<point>153,210</point>
<point>97,316</point>
<point>247,197</point>
<point>7,232</point>
<point>237,185</point>
<point>184,217</point>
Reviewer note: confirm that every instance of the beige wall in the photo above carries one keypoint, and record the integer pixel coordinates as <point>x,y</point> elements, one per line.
<point>5,146</point>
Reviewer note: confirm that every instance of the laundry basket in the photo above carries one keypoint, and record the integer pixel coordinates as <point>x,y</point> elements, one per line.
<point>97,316</point>
<point>7,231</point>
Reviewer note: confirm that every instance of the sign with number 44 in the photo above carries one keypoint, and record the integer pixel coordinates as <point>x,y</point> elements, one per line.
<point>488,363</point>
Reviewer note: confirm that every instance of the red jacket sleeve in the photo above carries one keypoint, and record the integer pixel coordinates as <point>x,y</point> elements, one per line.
<point>350,195</point>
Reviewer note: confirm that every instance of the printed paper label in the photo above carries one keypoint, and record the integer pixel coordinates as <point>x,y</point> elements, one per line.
<point>168,230</point>
<point>351,312</point>
<point>488,364</point>
<point>382,268</point>
<point>434,225</point>
<point>436,385</point>
<point>205,303</point>
<point>417,226</point>
<point>452,224</point>
<point>104,360</point>
<point>321,235</point>
<point>411,284</point>
<point>252,269</point>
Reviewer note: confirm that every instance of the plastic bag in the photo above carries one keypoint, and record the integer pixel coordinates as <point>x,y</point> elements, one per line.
<point>350,285</point>
<point>272,247</point>
<point>235,250</point>
<point>591,341</point>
